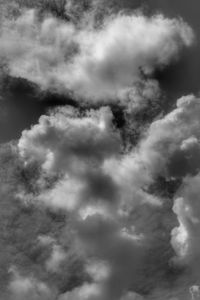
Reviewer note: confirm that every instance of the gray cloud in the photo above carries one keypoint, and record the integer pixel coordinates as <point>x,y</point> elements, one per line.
<point>23,287</point>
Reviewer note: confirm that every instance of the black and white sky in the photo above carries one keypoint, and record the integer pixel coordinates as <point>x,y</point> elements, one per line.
<point>99,150</point>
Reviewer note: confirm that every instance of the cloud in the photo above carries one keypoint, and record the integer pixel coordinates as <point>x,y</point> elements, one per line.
<point>73,146</point>
<point>105,63</point>
<point>106,192</point>
<point>85,292</point>
<point>64,137</point>
<point>70,144</point>
<point>111,193</point>
<point>90,158</point>
<point>124,229</point>
<point>103,239</point>
<point>185,238</point>
<point>171,144</point>
<point>22,223</point>
<point>170,148</point>
<point>57,256</point>
<point>23,287</point>
<point>174,137</point>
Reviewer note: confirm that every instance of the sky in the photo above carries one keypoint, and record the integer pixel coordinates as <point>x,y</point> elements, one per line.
<point>99,150</point>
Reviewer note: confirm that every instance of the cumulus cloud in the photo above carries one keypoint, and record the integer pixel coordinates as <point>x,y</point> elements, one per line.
<point>159,152</point>
<point>64,136</point>
<point>105,63</point>
<point>111,195</point>
<point>171,143</point>
<point>74,146</point>
<point>133,241</point>
<point>106,192</point>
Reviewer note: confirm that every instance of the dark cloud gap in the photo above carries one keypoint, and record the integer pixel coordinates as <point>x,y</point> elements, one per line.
<point>182,77</point>
<point>166,188</point>
<point>23,103</point>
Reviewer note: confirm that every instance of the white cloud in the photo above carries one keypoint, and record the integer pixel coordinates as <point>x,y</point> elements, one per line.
<point>108,192</point>
<point>96,64</point>
<point>116,219</point>
<point>74,147</point>
<point>65,141</point>
<point>66,194</point>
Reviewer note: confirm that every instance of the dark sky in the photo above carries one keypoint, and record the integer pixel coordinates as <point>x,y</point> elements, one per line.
<point>22,108</point>
<point>182,78</point>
